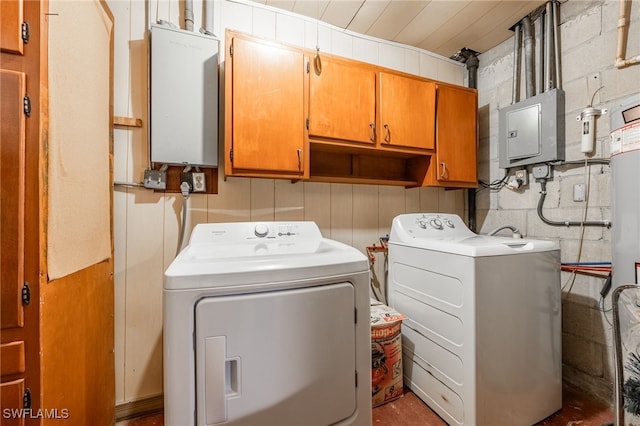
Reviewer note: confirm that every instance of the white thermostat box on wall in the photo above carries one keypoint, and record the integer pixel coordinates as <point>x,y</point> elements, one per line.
<point>184,97</point>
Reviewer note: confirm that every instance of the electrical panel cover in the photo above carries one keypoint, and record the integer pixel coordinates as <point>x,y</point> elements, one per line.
<point>532,131</point>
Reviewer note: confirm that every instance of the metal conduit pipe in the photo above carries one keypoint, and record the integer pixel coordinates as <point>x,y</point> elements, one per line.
<point>539,75</point>
<point>548,46</point>
<point>556,44</point>
<point>527,35</point>
<point>515,90</point>
<point>543,195</point>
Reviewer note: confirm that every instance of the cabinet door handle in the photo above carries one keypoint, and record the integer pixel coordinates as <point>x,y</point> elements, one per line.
<point>373,132</point>
<point>299,159</point>
<point>387,133</point>
<point>443,175</point>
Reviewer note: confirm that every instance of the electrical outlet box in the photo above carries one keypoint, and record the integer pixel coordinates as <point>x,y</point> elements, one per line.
<point>155,179</point>
<point>532,131</point>
<point>541,171</point>
<point>198,182</point>
<point>578,192</point>
<point>522,177</point>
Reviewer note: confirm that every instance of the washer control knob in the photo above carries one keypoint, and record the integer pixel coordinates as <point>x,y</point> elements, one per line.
<point>449,223</point>
<point>261,230</point>
<point>436,223</point>
<point>422,224</point>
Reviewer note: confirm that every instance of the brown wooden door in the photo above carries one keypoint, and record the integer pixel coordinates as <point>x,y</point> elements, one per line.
<point>407,111</point>
<point>456,133</point>
<point>268,129</point>
<point>342,101</point>
<point>12,193</point>
<point>11,12</point>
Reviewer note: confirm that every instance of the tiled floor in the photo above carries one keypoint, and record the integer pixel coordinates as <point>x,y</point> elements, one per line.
<point>577,410</point>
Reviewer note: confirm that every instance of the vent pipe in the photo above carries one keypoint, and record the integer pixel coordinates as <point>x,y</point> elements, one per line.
<point>470,58</point>
<point>188,15</point>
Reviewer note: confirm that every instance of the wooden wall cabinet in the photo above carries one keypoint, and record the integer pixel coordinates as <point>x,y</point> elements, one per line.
<point>454,164</point>
<point>265,110</point>
<point>342,101</point>
<point>407,110</point>
<point>362,123</point>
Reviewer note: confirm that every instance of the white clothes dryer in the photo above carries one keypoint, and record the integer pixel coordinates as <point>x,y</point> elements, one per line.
<point>266,324</point>
<point>482,341</point>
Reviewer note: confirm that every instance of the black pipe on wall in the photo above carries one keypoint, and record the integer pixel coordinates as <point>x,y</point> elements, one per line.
<point>470,58</point>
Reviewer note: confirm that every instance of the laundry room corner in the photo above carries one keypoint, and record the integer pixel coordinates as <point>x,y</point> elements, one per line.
<point>147,223</point>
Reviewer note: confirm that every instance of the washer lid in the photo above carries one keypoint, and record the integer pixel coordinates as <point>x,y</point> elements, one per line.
<point>447,233</point>
<point>246,253</point>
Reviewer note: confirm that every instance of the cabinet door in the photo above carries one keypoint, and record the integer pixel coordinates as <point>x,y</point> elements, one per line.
<point>11,399</point>
<point>407,110</point>
<point>267,109</point>
<point>12,196</point>
<point>456,135</point>
<point>342,101</point>
<point>11,15</point>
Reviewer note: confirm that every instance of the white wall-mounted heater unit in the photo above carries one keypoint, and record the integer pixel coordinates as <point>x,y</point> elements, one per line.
<point>184,97</point>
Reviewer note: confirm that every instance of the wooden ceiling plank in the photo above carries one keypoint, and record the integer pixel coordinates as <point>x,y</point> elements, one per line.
<point>395,17</point>
<point>281,4</point>
<point>428,21</point>
<point>473,11</point>
<point>312,9</point>
<point>491,30</point>
<point>341,12</point>
<point>367,15</point>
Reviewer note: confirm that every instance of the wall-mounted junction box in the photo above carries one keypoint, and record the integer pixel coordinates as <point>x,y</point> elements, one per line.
<point>532,131</point>
<point>184,97</point>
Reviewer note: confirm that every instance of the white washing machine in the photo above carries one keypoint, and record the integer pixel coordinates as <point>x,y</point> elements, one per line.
<point>482,342</point>
<point>266,324</point>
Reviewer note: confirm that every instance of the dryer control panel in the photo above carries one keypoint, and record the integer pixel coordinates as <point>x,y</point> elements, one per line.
<point>239,232</point>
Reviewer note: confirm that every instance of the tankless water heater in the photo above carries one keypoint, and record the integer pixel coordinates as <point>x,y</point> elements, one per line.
<point>184,97</point>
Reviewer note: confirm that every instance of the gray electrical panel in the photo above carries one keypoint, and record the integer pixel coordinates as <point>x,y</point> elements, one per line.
<point>532,131</point>
<point>184,97</point>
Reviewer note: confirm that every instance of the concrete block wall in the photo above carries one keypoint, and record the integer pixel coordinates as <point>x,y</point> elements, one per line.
<point>589,35</point>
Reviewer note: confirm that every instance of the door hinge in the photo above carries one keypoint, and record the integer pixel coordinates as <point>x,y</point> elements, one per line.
<point>26,105</point>
<point>356,378</point>
<point>231,50</point>
<point>308,67</point>
<point>307,123</point>
<point>26,294</point>
<point>25,32</point>
<point>26,399</point>
<point>231,156</point>
<point>355,315</point>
